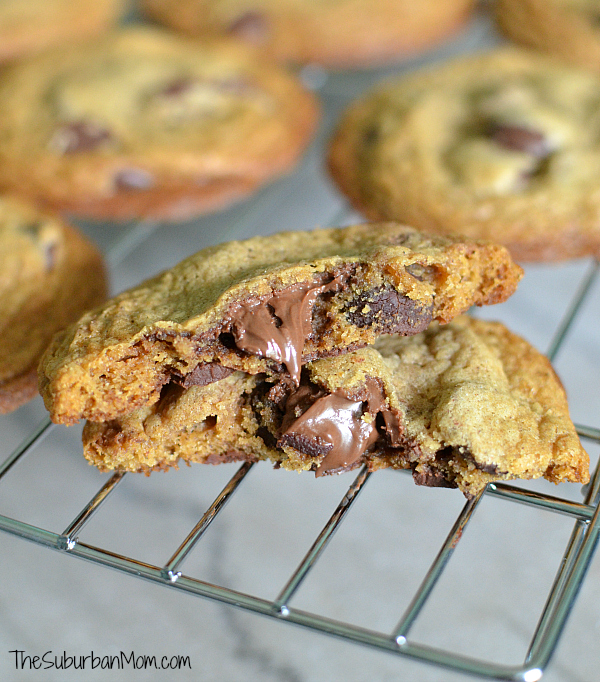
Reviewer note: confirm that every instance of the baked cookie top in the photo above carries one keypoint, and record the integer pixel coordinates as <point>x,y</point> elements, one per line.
<point>502,146</point>
<point>266,305</point>
<point>49,275</point>
<point>460,405</point>
<point>333,33</point>
<point>28,26</point>
<point>147,124</point>
<point>569,29</point>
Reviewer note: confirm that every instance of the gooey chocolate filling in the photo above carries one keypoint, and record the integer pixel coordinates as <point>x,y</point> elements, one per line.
<point>340,426</point>
<point>343,429</point>
<point>278,327</point>
<point>336,427</point>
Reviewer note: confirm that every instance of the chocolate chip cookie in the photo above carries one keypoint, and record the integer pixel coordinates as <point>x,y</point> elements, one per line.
<point>569,29</point>
<point>266,305</point>
<point>146,124</point>
<point>49,275</point>
<point>460,405</point>
<point>28,26</point>
<point>502,146</point>
<point>338,33</point>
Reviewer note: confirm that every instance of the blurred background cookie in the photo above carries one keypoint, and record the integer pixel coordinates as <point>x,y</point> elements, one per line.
<point>143,124</point>
<point>338,33</point>
<point>502,146</point>
<point>49,275</point>
<point>28,26</point>
<point>568,28</point>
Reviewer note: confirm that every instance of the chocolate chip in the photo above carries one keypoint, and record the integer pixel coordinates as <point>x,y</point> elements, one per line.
<point>371,135</point>
<point>251,26</point>
<point>50,253</point>
<point>432,478</point>
<point>313,447</point>
<point>74,137</point>
<point>488,468</point>
<point>204,374</point>
<point>232,85</point>
<point>177,87</point>
<point>267,437</point>
<point>517,138</point>
<point>448,453</point>
<point>388,311</point>
<point>231,456</point>
<point>133,178</point>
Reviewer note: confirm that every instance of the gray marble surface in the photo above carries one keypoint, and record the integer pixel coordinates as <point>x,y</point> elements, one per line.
<point>487,602</point>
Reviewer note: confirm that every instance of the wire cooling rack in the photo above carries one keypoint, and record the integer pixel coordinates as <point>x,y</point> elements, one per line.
<point>560,599</point>
<point>399,640</point>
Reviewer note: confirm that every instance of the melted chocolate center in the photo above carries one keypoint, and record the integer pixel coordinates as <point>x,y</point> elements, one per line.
<point>278,327</point>
<point>338,427</point>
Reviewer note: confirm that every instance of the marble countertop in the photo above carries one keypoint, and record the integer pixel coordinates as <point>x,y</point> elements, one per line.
<point>487,602</point>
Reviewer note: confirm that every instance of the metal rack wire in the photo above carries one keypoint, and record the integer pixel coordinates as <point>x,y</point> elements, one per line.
<point>573,567</point>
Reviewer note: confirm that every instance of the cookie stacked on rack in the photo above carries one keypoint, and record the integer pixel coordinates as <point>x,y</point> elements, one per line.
<point>318,351</point>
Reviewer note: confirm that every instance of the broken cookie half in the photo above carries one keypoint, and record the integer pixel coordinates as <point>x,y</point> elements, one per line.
<point>460,405</point>
<point>265,306</point>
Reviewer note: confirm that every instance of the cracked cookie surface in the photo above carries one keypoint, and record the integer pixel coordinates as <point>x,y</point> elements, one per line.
<point>146,124</point>
<point>338,33</point>
<point>460,405</point>
<point>49,275</point>
<point>266,305</point>
<point>502,146</point>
